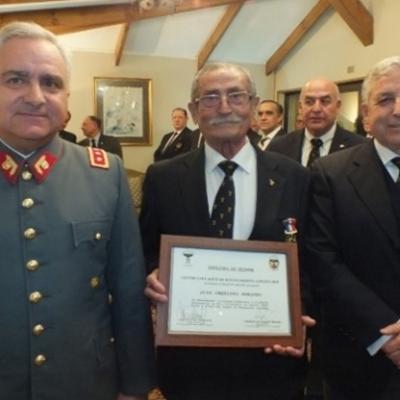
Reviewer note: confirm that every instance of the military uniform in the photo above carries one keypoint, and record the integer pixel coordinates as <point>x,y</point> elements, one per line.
<point>68,241</point>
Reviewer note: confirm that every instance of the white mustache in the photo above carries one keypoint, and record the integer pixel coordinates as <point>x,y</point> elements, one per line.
<point>233,119</point>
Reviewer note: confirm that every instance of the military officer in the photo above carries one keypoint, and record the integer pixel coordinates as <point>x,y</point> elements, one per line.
<point>73,317</point>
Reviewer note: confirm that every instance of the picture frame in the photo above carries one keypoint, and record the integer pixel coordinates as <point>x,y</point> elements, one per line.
<point>228,293</point>
<point>124,105</point>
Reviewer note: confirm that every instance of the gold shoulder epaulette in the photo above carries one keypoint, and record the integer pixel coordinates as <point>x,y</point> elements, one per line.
<point>98,158</point>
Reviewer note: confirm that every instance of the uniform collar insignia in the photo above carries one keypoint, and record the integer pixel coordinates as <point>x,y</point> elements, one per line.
<point>40,168</point>
<point>9,167</point>
<point>43,165</point>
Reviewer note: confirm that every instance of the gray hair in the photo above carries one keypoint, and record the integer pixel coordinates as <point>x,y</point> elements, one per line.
<point>377,71</point>
<point>31,30</point>
<point>217,66</point>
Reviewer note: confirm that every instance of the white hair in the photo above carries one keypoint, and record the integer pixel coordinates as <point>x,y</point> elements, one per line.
<point>31,30</point>
<point>218,66</point>
<point>377,71</point>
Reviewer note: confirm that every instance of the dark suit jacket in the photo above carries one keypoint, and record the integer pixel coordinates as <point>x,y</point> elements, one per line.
<point>354,249</point>
<point>107,143</point>
<point>255,137</point>
<point>175,202</point>
<point>71,137</point>
<point>291,144</point>
<point>182,144</point>
<point>197,142</point>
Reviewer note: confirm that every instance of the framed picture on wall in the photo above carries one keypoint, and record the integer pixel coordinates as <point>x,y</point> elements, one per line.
<point>124,105</point>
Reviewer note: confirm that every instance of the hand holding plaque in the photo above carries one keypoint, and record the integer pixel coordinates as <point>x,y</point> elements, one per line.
<point>229,293</point>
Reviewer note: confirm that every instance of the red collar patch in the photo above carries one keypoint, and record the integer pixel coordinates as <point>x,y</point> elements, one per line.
<point>9,167</point>
<point>43,165</point>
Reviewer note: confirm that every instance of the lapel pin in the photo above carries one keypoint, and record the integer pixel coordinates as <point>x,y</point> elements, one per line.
<point>271,182</point>
<point>341,146</point>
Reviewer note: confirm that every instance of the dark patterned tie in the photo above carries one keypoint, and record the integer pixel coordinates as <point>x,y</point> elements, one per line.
<point>224,204</point>
<point>396,162</point>
<point>93,142</point>
<point>314,153</point>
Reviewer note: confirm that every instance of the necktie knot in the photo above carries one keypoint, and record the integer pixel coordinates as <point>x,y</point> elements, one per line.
<point>314,153</point>
<point>228,167</point>
<point>396,161</point>
<point>316,143</point>
<point>93,143</point>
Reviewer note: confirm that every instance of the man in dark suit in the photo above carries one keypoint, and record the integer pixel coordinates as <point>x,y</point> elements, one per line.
<point>178,199</point>
<point>354,250</point>
<point>269,115</point>
<point>66,135</point>
<point>178,141</point>
<point>319,105</point>
<point>91,128</point>
<point>76,244</point>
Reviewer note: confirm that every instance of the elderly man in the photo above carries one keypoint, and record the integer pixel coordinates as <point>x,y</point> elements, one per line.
<point>179,195</point>
<point>69,242</point>
<point>91,128</point>
<point>178,141</point>
<point>354,247</point>
<point>319,105</point>
<point>269,116</point>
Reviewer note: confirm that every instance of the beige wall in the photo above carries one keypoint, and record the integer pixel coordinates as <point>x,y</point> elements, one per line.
<point>171,81</point>
<point>331,47</point>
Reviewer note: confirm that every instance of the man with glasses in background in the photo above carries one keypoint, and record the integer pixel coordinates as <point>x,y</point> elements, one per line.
<point>180,198</point>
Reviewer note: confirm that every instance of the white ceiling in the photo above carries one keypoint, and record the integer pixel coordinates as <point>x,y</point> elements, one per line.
<point>257,31</point>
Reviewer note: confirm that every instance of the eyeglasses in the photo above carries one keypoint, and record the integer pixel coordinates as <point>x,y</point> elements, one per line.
<point>234,99</point>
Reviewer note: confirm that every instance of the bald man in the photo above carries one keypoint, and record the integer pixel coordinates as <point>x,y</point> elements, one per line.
<point>320,106</point>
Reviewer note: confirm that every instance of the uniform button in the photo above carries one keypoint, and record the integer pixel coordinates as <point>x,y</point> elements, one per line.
<point>40,359</point>
<point>28,203</point>
<point>26,175</point>
<point>94,282</point>
<point>112,340</point>
<point>32,265</point>
<point>38,329</point>
<point>35,297</point>
<point>30,233</point>
<point>98,236</point>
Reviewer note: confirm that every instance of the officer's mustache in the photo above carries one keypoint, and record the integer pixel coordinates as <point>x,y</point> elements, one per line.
<point>232,119</point>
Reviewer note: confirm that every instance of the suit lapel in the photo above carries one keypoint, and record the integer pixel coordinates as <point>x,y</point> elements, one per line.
<point>194,193</point>
<point>339,141</point>
<point>369,182</point>
<point>270,186</point>
<point>295,150</point>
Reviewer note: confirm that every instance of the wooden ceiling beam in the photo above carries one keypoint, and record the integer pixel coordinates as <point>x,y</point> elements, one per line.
<point>4,2</point>
<point>67,19</point>
<point>357,17</point>
<point>218,33</point>
<point>121,41</point>
<point>297,34</point>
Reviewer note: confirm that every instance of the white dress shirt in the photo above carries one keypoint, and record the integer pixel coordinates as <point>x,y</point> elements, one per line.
<point>323,150</point>
<point>266,138</point>
<point>245,181</point>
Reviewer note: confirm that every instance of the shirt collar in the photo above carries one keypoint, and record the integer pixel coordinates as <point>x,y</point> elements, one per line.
<point>386,155</point>
<point>242,158</point>
<point>326,137</point>
<point>270,134</point>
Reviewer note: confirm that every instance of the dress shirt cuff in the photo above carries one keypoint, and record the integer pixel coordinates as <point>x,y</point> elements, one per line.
<point>374,347</point>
